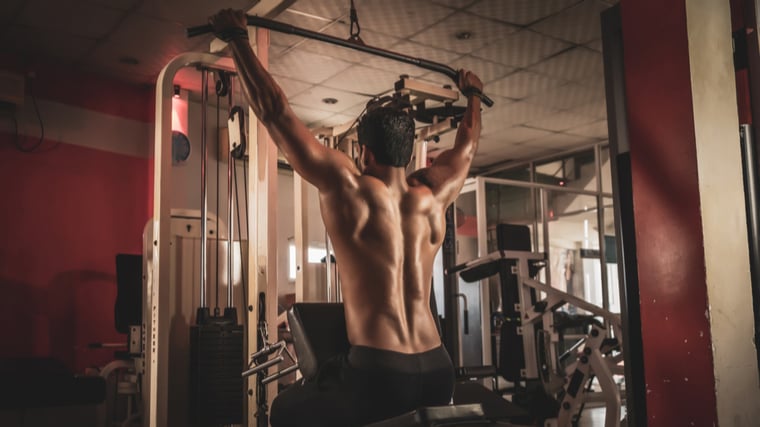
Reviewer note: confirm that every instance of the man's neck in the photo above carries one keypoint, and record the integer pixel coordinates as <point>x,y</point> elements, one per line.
<point>393,177</point>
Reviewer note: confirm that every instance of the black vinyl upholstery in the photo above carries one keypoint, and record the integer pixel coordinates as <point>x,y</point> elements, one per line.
<point>319,334</point>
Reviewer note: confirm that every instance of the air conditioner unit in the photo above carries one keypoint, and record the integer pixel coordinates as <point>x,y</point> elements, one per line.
<point>11,88</point>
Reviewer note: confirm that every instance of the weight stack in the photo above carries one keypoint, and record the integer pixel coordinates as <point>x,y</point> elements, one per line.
<point>216,363</point>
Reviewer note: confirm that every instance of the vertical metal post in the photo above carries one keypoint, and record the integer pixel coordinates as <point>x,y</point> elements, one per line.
<point>544,200</point>
<point>749,158</point>
<point>231,228</point>
<point>204,195</point>
<point>600,227</point>
<point>533,201</point>
<point>485,296</point>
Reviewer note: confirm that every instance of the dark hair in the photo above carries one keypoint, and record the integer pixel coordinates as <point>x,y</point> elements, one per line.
<point>389,134</point>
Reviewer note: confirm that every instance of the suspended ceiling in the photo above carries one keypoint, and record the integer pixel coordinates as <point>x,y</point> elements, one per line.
<point>540,60</point>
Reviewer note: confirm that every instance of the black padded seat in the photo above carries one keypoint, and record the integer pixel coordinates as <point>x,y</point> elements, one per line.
<point>319,334</point>
<point>434,416</point>
<point>46,382</point>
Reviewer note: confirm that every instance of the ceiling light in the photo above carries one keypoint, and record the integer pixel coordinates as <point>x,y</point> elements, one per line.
<point>463,35</point>
<point>176,91</point>
<point>330,101</point>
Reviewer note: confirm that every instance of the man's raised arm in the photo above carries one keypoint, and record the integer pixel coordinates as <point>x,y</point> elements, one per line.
<point>316,163</point>
<point>447,173</point>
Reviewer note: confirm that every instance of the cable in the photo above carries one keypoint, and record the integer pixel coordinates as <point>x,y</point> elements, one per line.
<point>18,144</point>
<point>240,238</point>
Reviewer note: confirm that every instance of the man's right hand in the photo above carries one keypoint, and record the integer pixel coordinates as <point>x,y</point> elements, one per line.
<point>468,82</point>
<point>228,23</point>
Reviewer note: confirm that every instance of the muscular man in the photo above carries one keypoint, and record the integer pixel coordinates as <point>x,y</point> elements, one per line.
<point>386,228</point>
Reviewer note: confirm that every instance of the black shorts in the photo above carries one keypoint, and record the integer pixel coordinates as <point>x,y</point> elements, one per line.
<point>365,386</point>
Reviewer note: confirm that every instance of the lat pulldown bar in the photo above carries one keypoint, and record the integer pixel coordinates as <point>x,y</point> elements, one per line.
<point>280,27</point>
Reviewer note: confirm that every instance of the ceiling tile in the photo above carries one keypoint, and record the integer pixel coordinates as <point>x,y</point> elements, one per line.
<point>337,120</point>
<point>595,45</point>
<point>515,134</point>
<point>291,87</point>
<point>76,18</point>
<point>578,24</point>
<point>399,18</point>
<point>414,50</point>
<point>305,22</point>
<point>354,110</point>
<point>516,113</point>
<point>313,97</point>
<point>330,9</point>
<point>310,115</point>
<point>522,84</point>
<point>561,121</point>
<point>307,67</point>
<point>596,109</point>
<point>361,79</point>
<point>521,49</point>
<point>481,32</point>
<point>189,12</point>
<point>36,43</point>
<point>521,12</point>
<point>596,129</point>
<point>565,97</point>
<point>575,64</point>
<point>341,31</point>
<point>487,71</point>
<point>559,141</point>
<point>456,4</point>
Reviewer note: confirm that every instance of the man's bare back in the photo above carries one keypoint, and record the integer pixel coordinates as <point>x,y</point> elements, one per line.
<point>385,239</point>
<point>385,228</point>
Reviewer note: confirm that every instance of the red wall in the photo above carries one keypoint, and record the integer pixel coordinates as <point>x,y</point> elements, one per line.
<point>677,352</point>
<point>66,212</point>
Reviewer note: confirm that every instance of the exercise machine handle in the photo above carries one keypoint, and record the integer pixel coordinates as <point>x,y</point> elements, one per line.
<point>280,27</point>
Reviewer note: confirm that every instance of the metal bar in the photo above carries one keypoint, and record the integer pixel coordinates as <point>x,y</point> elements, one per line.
<point>749,159</point>
<point>485,296</point>
<point>263,366</point>
<point>533,202</point>
<point>204,195</point>
<point>544,200</point>
<point>290,29</point>
<point>279,374</point>
<point>600,227</point>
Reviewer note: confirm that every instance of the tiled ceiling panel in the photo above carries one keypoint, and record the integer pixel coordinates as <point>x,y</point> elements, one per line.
<point>310,115</point>
<point>596,109</point>
<point>305,22</point>
<point>464,33</point>
<point>579,24</point>
<point>364,80</point>
<point>415,50</point>
<point>522,84</point>
<point>596,129</point>
<point>341,31</point>
<point>314,98</point>
<point>560,121</point>
<point>559,141</point>
<point>565,97</point>
<point>575,64</point>
<point>456,4</point>
<point>307,67</point>
<point>82,19</point>
<point>516,113</point>
<point>595,45</point>
<point>515,134</point>
<point>521,12</point>
<point>399,18</point>
<point>337,120</point>
<point>291,87</point>
<point>487,71</point>
<point>521,49</point>
<point>330,9</point>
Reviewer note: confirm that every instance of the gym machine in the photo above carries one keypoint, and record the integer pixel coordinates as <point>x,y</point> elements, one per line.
<point>555,386</point>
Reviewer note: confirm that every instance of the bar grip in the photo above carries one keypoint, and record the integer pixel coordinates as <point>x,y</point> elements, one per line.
<point>280,27</point>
